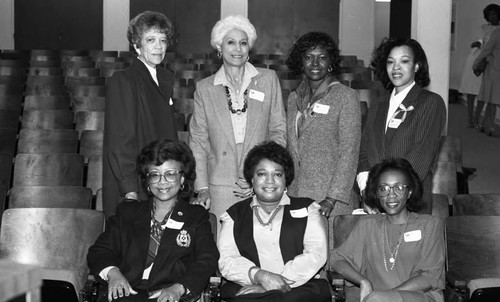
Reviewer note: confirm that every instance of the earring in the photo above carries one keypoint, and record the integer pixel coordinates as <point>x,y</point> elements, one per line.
<point>149,189</point>
<point>182,186</point>
<point>330,69</point>
<point>248,58</point>
<point>219,54</point>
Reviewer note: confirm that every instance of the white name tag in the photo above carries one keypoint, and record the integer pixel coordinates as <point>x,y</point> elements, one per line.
<point>256,95</point>
<point>176,225</point>
<point>394,123</point>
<point>413,236</point>
<point>321,108</point>
<point>300,213</point>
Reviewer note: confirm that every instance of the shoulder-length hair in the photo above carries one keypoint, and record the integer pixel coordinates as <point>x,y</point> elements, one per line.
<point>414,202</point>
<point>381,53</point>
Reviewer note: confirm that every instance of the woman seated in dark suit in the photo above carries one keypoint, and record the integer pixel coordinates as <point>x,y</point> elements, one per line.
<point>162,247</point>
<point>272,245</point>
<point>398,255</point>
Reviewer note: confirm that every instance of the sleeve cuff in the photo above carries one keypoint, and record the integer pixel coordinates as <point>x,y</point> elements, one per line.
<point>361,179</point>
<point>104,273</point>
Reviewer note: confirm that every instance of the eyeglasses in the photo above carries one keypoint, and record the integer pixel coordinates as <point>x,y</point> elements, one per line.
<point>399,189</point>
<point>170,176</point>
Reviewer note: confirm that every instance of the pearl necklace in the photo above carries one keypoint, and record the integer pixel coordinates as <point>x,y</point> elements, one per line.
<point>262,223</point>
<point>230,103</point>
<point>393,255</point>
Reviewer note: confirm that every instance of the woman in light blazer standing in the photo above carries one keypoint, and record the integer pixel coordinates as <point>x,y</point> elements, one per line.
<point>234,109</point>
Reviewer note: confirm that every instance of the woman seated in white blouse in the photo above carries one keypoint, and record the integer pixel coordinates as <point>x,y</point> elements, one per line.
<point>272,245</point>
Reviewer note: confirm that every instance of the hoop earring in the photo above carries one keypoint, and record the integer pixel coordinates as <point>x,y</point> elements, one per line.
<point>182,186</point>
<point>248,58</point>
<point>149,189</point>
<point>330,69</point>
<point>219,54</point>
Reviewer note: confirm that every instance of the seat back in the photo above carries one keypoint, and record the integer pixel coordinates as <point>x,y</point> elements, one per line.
<point>8,138</point>
<point>47,141</point>
<point>47,119</point>
<point>5,169</point>
<point>50,197</point>
<point>55,239</point>
<point>48,170</point>
<point>444,180</point>
<point>476,204</point>
<point>94,173</point>
<point>91,143</point>
<point>473,246</point>
<point>89,120</point>
<point>440,206</point>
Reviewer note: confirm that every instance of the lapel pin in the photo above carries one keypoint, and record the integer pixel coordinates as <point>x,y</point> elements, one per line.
<point>180,213</point>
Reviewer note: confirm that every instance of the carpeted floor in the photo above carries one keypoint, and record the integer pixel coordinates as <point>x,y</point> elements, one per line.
<point>479,151</point>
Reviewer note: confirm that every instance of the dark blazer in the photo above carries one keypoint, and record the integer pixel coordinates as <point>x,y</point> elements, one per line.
<point>126,240</point>
<point>417,139</point>
<point>137,112</point>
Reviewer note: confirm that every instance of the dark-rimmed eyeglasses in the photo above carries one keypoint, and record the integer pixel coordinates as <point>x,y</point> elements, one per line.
<point>154,177</point>
<point>399,189</point>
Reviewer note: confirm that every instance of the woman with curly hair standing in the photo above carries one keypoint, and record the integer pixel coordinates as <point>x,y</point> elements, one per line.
<point>323,126</point>
<point>408,122</point>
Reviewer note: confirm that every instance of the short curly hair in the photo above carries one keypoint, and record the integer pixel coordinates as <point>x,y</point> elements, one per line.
<point>149,20</point>
<point>271,151</point>
<point>223,26</point>
<point>313,40</point>
<point>491,7</point>
<point>414,202</point>
<point>381,53</point>
<point>158,152</point>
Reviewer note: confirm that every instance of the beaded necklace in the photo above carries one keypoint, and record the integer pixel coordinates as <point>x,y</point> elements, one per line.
<point>262,223</point>
<point>230,103</point>
<point>393,255</point>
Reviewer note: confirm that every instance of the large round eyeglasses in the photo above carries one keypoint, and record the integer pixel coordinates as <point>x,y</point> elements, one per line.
<point>399,189</point>
<point>170,176</point>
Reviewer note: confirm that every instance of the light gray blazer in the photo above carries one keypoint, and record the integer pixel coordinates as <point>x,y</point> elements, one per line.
<point>211,129</point>
<point>326,154</point>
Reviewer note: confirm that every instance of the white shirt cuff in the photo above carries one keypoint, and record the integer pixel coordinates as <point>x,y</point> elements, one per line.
<point>104,273</point>
<point>361,179</point>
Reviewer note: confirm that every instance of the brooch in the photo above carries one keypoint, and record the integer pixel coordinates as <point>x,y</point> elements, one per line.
<point>183,239</point>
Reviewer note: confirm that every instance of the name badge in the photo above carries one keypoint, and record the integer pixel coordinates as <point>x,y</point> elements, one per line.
<point>413,236</point>
<point>176,225</point>
<point>394,123</point>
<point>321,108</point>
<point>256,95</point>
<point>300,213</point>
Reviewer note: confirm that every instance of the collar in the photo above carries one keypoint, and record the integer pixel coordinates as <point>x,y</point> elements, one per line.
<point>221,79</point>
<point>401,96</point>
<point>307,98</point>
<point>151,70</point>
<point>285,200</point>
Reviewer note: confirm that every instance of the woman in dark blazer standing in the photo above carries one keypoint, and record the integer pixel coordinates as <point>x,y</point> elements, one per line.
<point>138,107</point>
<point>408,122</point>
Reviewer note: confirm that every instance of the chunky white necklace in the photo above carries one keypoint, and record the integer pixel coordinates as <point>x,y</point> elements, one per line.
<point>273,215</point>
<point>393,254</point>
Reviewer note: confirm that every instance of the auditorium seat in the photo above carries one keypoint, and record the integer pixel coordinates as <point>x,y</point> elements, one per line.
<point>9,118</point>
<point>11,89</point>
<point>5,170</point>
<point>96,54</point>
<point>183,136</point>
<point>82,72</point>
<point>45,63</point>
<point>89,120</point>
<point>440,206</point>
<point>8,140</point>
<point>16,71</point>
<point>88,90</point>
<point>182,105</point>
<point>289,84</point>
<point>180,121</point>
<point>94,173</point>
<point>213,68</point>
<point>473,258</point>
<point>55,239</point>
<point>348,61</point>
<point>11,102</point>
<point>193,75</point>
<point>367,95</point>
<point>45,71</point>
<point>48,170</point>
<point>48,141</point>
<point>73,81</point>
<point>108,68</point>
<point>72,197</point>
<point>88,103</point>
<point>46,102</point>
<point>46,90</point>
<point>91,143</point>
<point>183,92</point>
<point>444,180</point>
<point>47,119</point>
<point>476,204</point>
<point>176,66</point>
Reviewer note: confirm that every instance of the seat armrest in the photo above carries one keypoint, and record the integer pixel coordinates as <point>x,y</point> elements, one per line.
<point>338,285</point>
<point>455,280</point>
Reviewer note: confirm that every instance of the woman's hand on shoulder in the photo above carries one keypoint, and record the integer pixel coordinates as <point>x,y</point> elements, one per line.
<point>118,285</point>
<point>203,199</point>
<point>246,189</point>
<point>272,281</point>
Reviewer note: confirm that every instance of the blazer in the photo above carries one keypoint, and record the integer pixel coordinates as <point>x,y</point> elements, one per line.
<point>326,153</point>
<point>125,244</point>
<point>211,129</point>
<point>137,112</point>
<point>417,139</point>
